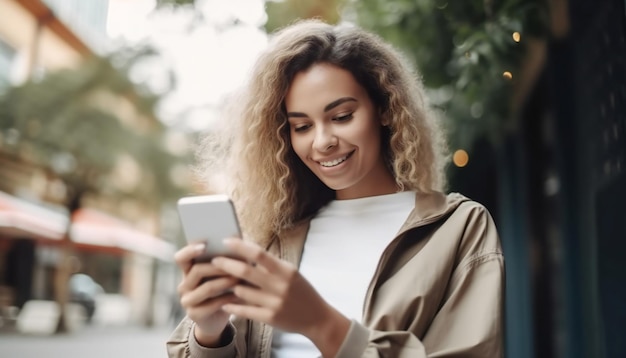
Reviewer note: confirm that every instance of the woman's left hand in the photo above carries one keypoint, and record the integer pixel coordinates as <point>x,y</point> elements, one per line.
<point>275,293</point>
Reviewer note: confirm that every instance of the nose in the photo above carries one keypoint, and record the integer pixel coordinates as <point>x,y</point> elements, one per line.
<point>324,139</point>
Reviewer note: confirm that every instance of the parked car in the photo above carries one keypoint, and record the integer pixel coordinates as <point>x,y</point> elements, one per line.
<point>85,291</point>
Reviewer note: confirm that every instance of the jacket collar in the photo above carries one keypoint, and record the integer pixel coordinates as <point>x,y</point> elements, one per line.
<point>429,207</point>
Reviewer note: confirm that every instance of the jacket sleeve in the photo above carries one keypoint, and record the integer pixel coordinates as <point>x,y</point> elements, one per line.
<point>469,322</point>
<point>183,344</point>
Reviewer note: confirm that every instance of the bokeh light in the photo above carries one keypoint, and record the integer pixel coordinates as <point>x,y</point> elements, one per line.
<point>460,158</point>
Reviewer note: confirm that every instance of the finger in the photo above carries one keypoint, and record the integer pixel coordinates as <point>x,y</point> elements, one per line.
<point>254,296</point>
<point>254,253</point>
<point>208,308</point>
<point>197,274</point>
<point>184,257</point>
<point>254,313</point>
<point>242,270</point>
<point>210,289</point>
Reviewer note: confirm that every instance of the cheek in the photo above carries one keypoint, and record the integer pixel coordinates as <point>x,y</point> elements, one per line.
<point>368,136</point>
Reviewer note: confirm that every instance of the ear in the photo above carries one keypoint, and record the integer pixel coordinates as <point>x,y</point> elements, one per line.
<point>384,121</point>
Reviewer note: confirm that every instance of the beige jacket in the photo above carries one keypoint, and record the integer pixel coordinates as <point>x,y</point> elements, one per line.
<point>437,291</point>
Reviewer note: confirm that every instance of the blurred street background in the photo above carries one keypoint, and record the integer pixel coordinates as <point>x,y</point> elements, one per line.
<point>102,103</point>
<point>96,342</point>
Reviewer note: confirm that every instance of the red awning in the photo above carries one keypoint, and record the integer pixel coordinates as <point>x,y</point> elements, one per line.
<point>20,218</point>
<point>90,227</point>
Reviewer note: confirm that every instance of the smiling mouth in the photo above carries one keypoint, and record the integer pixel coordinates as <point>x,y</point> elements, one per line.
<point>333,163</point>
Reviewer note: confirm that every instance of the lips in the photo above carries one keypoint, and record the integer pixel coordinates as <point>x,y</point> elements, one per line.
<point>335,162</point>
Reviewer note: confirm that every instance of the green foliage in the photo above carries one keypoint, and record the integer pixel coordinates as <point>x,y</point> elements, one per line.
<point>282,13</point>
<point>64,123</point>
<point>462,49</point>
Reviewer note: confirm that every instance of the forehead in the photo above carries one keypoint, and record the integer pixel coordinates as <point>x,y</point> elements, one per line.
<point>321,84</point>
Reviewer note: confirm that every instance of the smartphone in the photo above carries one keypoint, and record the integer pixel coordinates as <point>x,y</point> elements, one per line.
<point>209,219</point>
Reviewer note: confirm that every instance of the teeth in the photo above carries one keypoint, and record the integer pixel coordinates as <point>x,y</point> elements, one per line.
<point>335,162</point>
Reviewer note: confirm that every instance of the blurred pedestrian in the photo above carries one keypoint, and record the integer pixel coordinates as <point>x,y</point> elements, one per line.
<point>335,165</point>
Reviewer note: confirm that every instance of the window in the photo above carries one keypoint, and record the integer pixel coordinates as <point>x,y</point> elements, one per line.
<point>7,54</point>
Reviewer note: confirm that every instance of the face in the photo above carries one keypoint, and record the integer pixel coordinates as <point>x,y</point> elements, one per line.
<point>335,131</point>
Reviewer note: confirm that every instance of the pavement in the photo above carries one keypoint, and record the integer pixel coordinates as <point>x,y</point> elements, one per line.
<point>94,341</point>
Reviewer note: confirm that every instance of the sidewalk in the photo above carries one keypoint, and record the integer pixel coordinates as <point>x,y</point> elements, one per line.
<point>111,334</point>
<point>91,341</point>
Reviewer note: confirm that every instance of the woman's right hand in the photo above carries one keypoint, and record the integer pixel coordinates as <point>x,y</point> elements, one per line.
<point>203,298</point>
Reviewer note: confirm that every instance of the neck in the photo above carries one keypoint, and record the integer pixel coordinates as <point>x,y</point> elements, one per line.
<point>381,184</point>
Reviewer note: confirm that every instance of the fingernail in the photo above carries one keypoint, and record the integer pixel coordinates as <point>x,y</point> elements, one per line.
<point>200,247</point>
<point>229,241</point>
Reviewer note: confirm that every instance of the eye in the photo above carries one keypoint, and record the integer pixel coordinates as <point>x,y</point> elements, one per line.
<point>300,127</point>
<point>343,117</point>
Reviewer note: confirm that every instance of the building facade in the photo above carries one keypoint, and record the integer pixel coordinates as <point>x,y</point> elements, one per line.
<point>126,257</point>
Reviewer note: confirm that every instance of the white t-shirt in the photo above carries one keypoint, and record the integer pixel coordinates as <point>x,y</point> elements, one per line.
<point>343,246</point>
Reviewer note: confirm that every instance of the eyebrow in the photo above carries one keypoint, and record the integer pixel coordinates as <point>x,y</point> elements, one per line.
<point>328,107</point>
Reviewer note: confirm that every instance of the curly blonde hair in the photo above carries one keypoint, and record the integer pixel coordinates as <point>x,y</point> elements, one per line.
<point>271,187</point>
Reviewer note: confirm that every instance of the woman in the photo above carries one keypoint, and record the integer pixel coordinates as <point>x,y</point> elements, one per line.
<point>336,168</point>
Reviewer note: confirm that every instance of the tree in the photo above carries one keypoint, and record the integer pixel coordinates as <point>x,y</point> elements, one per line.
<point>39,114</point>
<point>468,52</point>
<point>281,14</point>
<point>68,123</point>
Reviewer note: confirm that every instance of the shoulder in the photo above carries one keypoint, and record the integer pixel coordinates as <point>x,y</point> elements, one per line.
<point>472,210</point>
<point>457,209</point>
<point>437,206</point>
<point>466,226</point>
<point>473,217</point>
<point>478,238</point>
<point>453,221</point>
